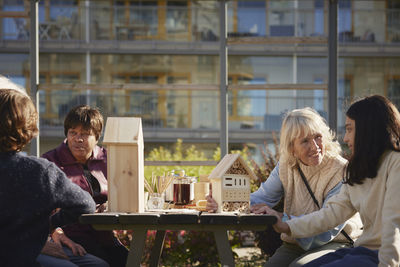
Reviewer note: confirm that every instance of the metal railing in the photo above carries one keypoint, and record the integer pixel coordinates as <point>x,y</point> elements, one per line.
<point>177,111</point>
<point>198,22</point>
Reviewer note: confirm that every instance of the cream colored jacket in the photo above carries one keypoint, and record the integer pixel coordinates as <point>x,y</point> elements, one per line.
<point>321,179</point>
<point>378,202</point>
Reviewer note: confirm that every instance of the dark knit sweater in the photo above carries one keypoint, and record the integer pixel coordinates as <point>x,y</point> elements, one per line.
<point>30,189</point>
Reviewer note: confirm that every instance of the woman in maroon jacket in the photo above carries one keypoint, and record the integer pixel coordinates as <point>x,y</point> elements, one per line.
<point>85,164</point>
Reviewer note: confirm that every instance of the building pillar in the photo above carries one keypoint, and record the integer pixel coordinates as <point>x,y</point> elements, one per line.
<point>332,64</point>
<point>34,65</point>
<point>223,61</point>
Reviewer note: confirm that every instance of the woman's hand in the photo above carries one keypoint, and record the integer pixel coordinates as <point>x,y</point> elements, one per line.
<point>101,207</point>
<point>279,226</point>
<point>212,205</point>
<point>55,250</point>
<point>264,209</point>
<point>60,238</point>
<point>255,207</point>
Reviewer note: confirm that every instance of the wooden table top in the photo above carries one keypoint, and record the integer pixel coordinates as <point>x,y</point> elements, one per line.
<point>166,217</point>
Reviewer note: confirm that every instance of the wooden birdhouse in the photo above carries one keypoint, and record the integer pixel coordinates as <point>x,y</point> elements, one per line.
<point>123,138</point>
<point>231,184</point>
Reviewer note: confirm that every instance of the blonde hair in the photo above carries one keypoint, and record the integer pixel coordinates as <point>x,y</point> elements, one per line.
<point>302,122</point>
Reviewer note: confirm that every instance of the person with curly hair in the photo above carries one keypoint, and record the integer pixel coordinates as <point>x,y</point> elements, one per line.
<point>31,188</point>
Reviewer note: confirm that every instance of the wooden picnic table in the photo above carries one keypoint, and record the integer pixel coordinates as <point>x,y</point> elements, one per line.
<point>217,223</point>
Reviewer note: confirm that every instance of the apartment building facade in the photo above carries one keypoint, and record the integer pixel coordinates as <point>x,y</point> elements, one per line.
<point>161,61</point>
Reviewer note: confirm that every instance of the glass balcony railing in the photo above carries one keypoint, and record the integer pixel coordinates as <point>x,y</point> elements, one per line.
<point>393,25</point>
<point>157,109</point>
<point>120,23</point>
<point>277,22</point>
<point>182,24</point>
<point>183,113</point>
<point>14,29</point>
<point>181,110</point>
<point>200,22</point>
<point>60,28</point>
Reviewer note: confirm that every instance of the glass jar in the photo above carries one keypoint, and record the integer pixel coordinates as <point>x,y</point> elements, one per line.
<point>183,190</point>
<point>155,202</point>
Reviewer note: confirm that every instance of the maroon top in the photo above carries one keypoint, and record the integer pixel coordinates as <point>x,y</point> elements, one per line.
<point>97,165</point>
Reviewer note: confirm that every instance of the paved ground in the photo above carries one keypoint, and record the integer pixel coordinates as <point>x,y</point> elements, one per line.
<point>249,256</point>
<point>248,251</point>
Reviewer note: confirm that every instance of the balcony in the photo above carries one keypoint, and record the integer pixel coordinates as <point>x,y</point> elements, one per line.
<point>186,116</point>
<point>195,29</point>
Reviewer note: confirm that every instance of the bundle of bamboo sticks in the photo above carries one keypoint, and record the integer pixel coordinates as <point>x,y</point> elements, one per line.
<point>158,184</point>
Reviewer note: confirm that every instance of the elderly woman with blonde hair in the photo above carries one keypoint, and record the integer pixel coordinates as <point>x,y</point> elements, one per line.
<point>309,171</point>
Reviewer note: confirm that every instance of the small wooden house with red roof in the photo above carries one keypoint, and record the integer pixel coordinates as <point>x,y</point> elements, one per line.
<point>230,181</point>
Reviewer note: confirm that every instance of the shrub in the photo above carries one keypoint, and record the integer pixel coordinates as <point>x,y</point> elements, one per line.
<point>179,154</point>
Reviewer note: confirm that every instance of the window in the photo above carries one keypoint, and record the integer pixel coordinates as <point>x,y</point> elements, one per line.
<point>393,90</point>
<point>177,17</point>
<point>144,17</point>
<point>345,21</point>
<point>60,69</point>
<point>246,107</point>
<point>16,68</point>
<point>344,95</point>
<point>55,104</point>
<point>58,19</point>
<point>205,20</point>
<point>393,20</point>
<point>319,99</point>
<point>14,28</point>
<point>319,17</point>
<point>249,102</point>
<point>281,18</point>
<point>251,18</point>
<point>135,19</point>
<point>138,103</point>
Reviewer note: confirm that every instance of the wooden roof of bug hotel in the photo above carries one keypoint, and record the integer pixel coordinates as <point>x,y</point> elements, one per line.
<point>226,163</point>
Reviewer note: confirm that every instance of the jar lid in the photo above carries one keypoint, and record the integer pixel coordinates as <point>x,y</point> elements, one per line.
<point>185,180</point>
